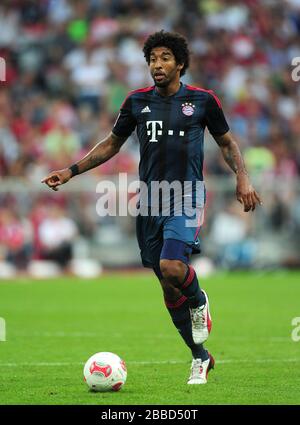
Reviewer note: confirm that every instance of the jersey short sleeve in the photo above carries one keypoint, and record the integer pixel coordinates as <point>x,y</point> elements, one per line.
<point>214,116</point>
<point>125,122</point>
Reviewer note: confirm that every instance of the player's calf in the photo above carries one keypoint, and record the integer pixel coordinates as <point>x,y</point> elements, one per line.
<point>178,274</point>
<point>199,307</point>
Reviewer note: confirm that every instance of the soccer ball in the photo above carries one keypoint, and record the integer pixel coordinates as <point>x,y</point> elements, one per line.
<point>105,372</point>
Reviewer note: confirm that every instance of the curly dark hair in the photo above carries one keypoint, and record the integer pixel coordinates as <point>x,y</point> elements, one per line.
<point>173,41</point>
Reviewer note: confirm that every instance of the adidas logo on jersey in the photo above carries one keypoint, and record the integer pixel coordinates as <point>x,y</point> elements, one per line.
<point>146,109</point>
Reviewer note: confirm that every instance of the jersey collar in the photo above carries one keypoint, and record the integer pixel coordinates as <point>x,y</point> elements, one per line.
<point>156,93</point>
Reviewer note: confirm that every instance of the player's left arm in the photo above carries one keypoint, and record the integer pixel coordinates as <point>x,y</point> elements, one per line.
<point>245,192</point>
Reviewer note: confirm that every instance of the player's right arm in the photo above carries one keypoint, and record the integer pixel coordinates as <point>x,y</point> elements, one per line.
<point>101,152</point>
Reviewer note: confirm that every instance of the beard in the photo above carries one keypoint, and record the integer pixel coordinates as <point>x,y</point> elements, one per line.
<point>168,78</point>
<point>162,84</point>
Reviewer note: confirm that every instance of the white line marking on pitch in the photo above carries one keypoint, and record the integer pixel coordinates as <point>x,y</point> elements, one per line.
<point>75,334</point>
<point>137,362</point>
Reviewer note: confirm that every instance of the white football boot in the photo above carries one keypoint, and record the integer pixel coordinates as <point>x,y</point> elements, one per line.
<point>200,369</point>
<point>201,322</point>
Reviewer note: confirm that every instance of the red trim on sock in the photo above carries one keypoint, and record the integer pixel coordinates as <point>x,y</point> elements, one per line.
<point>190,278</point>
<point>178,303</point>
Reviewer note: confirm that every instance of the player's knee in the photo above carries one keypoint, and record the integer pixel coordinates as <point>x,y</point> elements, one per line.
<point>172,271</point>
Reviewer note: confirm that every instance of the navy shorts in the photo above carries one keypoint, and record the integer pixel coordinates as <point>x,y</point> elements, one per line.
<point>169,238</point>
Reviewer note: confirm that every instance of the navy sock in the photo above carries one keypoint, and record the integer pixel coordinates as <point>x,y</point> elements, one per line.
<point>180,314</point>
<point>191,289</point>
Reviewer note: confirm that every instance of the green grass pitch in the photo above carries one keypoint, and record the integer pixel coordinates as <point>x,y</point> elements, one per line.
<point>54,326</point>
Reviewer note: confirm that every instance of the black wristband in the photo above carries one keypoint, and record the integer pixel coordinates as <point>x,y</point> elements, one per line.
<point>74,170</point>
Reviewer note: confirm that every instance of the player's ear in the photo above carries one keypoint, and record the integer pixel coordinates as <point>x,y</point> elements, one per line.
<point>180,66</point>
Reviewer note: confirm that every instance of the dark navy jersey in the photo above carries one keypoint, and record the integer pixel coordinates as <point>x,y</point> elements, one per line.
<point>171,131</point>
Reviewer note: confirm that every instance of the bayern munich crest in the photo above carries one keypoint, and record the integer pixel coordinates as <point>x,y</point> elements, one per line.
<point>188,108</point>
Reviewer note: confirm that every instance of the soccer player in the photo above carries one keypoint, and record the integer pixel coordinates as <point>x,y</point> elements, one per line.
<point>170,118</point>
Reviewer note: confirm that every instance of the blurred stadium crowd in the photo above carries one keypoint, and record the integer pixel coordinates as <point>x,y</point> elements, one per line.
<point>69,65</point>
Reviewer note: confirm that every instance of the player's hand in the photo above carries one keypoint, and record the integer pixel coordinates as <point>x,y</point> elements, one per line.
<point>246,194</point>
<point>57,178</point>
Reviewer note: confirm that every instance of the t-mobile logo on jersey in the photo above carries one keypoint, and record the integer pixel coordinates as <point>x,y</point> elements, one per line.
<point>155,128</point>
